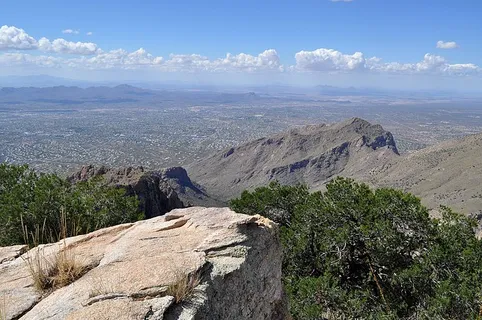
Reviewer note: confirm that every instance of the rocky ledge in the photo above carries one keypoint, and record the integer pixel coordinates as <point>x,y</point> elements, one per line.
<point>132,268</point>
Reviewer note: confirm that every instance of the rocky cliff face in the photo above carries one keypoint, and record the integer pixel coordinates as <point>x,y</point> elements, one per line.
<point>158,191</point>
<point>309,155</point>
<point>131,268</point>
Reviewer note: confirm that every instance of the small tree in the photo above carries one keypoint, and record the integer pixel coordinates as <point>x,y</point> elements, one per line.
<point>352,252</point>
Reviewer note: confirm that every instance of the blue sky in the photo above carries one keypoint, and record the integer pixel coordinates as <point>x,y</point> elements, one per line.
<point>312,42</point>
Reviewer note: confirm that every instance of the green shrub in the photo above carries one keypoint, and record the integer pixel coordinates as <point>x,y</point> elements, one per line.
<point>356,253</point>
<point>32,204</point>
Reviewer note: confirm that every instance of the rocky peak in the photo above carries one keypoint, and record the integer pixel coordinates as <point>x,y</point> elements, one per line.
<point>177,173</point>
<point>156,196</point>
<point>159,191</point>
<point>309,154</point>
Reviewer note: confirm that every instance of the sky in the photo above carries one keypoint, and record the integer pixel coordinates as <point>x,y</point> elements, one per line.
<point>410,44</point>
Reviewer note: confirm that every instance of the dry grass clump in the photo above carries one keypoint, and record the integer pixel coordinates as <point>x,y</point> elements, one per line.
<point>184,286</point>
<point>59,270</point>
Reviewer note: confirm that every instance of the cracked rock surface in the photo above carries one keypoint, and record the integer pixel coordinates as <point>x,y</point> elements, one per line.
<point>238,258</point>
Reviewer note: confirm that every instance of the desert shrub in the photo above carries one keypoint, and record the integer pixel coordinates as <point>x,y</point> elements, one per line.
<point>32,204</point>
<point>357,253</point>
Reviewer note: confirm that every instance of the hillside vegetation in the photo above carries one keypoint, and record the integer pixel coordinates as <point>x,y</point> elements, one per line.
<point>356,253</point>
<point>33,205</point>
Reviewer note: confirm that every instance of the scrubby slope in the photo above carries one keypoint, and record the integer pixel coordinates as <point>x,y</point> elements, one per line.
<point>449,173</point>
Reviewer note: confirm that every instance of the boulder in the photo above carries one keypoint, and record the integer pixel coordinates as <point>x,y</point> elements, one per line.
<point>131,270</point>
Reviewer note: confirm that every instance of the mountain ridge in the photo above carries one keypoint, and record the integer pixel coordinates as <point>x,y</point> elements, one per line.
<point>310,154</point>
<point>448,173</point>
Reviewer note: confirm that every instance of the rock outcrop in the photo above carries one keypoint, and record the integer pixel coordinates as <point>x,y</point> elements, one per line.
<point>158,191</point>
<point>310,155</point>
<point>131,267</point>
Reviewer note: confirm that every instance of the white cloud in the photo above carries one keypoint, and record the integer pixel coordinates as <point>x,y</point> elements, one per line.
<point>322,60</point>
<point>70,31</point>
<point>141,59</point>
<point>265,61</point>
<point>21,59</point>
<point>68,47</point>
<point>118,59</point>
<point>431,64</point>
<point>317,61</point>
<point>89,33</point>
<point>447,45</point>
<point>329,60</point>
<point>15,38</point>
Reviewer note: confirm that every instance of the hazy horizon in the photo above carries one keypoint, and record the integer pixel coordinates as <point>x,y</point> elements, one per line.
<point>429,45</point>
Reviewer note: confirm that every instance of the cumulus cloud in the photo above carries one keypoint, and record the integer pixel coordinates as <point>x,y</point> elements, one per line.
<point>89,33</point>
<point>431,64</point>
<point>22,59</point>
<point>447,45</point>
<point>70,31</point>
<point>68,47</point>
<point>265,61</point>
<point>329,60</point>
<point>88,56</point>
<point>15,38</point>
<point>118,59</point>
<point>141,59</point>
<point>320,60</point>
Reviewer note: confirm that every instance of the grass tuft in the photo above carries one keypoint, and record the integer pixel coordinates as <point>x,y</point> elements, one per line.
<point>184,286</point>
<point>58,271</point>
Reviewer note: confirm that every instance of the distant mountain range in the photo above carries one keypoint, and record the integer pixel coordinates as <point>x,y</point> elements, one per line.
<point>118,94</point>
<point>40,81</point>
<point>45,81</point>
<point>62,94</point>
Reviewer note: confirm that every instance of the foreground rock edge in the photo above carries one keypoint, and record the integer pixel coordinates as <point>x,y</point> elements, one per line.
<point>238,257</point>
